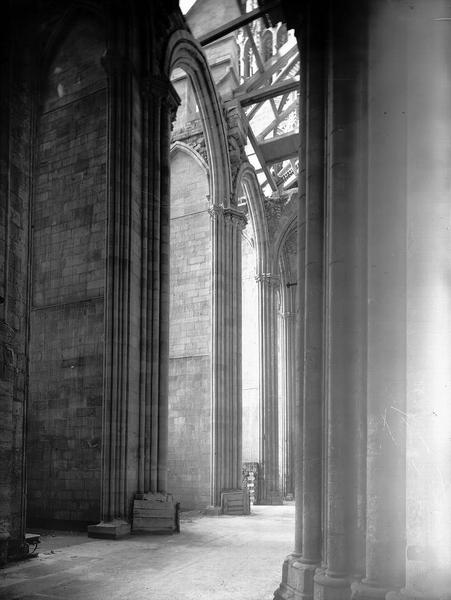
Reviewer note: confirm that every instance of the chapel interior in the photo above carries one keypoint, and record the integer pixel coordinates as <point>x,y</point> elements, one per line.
<point>225,299</point>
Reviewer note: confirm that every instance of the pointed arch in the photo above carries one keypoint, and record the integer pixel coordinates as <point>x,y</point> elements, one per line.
<point>182,147</point>
<point>287,225</point>
<point>55,34</point>
<point>184,52</point>
<point>247,178</point>
<point>281,262</point>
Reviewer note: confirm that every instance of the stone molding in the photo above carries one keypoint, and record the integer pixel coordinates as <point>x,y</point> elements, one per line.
<point>230,215</point>
<point>161,89</point>
<point>235,217</point>
<point>268,279</point>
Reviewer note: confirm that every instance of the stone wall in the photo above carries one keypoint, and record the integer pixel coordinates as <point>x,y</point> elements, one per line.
<point>190,333</point>
<point>68,271</point>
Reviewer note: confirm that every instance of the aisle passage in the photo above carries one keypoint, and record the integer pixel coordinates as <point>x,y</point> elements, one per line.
<point>214,558</point>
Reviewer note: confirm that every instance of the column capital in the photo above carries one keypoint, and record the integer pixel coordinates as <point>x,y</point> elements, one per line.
<point>161,88</point>
<point>232,216</point>
<point>215,211</point>
<point>235,217</point>
<point>268,279</point>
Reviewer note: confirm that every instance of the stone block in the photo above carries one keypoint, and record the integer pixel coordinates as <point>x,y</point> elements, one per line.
<point>109,530</point>
<point>155,513</point>
<point>235,502</point>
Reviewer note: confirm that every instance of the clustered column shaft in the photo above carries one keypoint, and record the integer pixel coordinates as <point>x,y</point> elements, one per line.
<point>372,490</point>
<point>268,484</point>
<point>159,106</point>
<point>227,224</point>
<point>289,362</point>
<point>123,322</point>
<point>117,297</point>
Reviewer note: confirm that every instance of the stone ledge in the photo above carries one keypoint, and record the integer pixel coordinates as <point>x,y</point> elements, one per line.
<point>110,530</point>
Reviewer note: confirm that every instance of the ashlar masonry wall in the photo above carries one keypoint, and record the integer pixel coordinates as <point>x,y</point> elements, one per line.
<point>190,333</point>
<point>68,271</point>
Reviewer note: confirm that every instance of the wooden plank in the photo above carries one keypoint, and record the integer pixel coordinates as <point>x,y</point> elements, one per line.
<point>280,147</point>
<point>269,91</point>
<point>234,24</point>
<point>272,65</point>
<point>259,155</point>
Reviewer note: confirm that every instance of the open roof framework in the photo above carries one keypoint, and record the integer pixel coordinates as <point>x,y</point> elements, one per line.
<point>269,98</point>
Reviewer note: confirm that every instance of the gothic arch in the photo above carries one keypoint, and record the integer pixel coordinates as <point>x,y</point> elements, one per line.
<point>184,52</point>
<point>281,260</point>
<point>247,177</point>
<point>55,34</point>
<point>287,225</point>
<point>182,147</point>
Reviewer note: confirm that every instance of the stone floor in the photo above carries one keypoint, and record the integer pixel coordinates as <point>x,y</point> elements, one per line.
<point>214,558</point>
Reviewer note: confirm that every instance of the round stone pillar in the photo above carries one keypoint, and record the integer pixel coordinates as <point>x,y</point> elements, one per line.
<point>427,416</point>
<point>345,307</point>
<point>299,568</point>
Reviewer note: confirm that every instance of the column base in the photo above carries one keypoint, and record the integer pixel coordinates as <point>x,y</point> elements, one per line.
<point>156,513</point>
<point>110,530</point>
<point>235,502</point>
<point>331,588</point>
<point>361,590</point>
<point>297,580</point>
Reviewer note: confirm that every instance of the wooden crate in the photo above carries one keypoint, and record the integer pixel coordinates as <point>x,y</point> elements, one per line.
<point>156,513</point>
<point>235,502</point>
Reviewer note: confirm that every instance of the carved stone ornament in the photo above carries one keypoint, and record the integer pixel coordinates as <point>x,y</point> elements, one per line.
<point>7,356</point>
<point>268,279</point>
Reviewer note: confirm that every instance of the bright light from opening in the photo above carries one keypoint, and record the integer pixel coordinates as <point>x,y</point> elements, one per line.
<point>185,5</point>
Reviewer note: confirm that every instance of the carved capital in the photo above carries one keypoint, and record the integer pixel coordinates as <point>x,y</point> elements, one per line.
<point>231,216</point>
<point>216,212</point>
<point>235,217</point>
<point>268,279</point>
<point>161,89</point>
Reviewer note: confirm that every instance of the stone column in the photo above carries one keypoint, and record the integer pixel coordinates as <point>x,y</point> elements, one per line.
<point>227,224</point>
<point>159,102</point>
<point>153,508</point>
<point>299,567</point>
<point>114,504</point>
<point>268,483</point>
<point>345,307</point>
<point>123,323</point>
<point>427,416</point>
<point>386,330</point>
<point>289,376</point>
